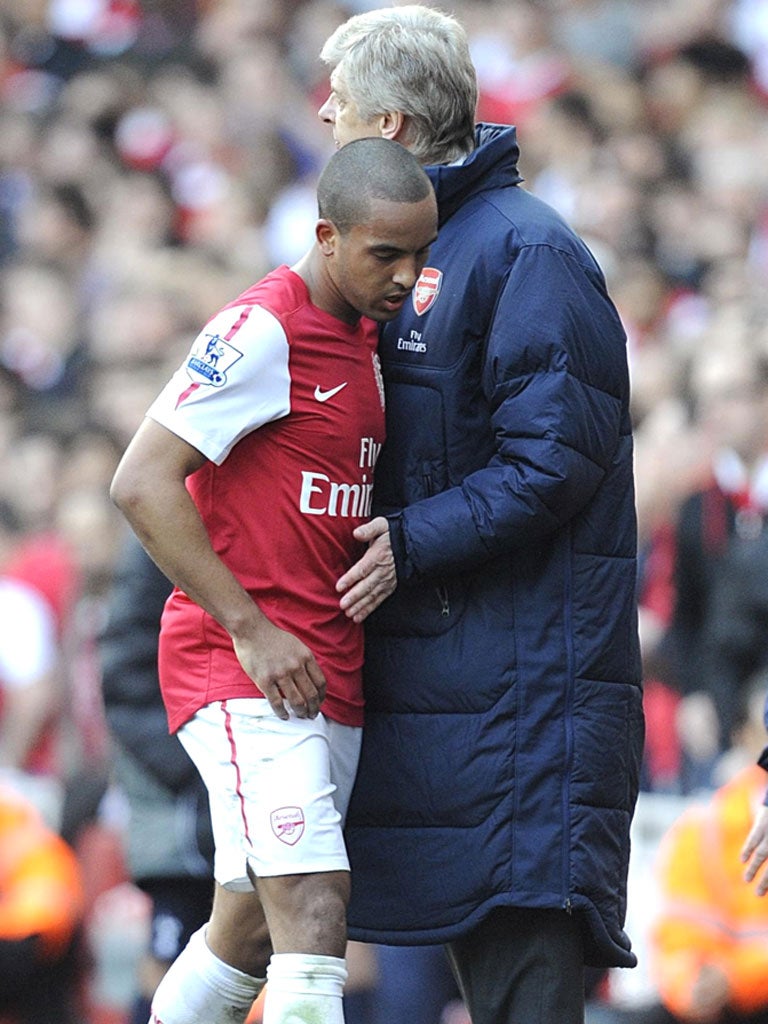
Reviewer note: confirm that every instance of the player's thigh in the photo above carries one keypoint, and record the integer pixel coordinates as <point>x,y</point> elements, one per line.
<point>273,787</point>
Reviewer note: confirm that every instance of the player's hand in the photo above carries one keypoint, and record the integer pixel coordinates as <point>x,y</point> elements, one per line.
<point>283,668</point>
<point>374,577</point>
<point>754,853</point>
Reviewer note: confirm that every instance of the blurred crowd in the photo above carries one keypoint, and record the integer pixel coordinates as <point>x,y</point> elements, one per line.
<point>158,156</point>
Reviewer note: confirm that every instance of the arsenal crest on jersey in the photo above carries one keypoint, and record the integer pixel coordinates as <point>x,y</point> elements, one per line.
<point>427,289</point>
<point>287,824</point>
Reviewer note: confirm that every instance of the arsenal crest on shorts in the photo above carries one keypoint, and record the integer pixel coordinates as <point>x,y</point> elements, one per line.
<point>288,824</point>
<point>427,289</point>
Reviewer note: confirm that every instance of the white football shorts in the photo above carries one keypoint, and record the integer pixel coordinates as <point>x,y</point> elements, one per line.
<point>278,790</point>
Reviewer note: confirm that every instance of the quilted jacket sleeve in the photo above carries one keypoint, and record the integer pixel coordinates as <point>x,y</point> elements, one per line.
<point>554,374</point>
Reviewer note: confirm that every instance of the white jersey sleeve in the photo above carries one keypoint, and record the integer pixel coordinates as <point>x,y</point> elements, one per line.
<point>235,379</point>
<point>27,635</point>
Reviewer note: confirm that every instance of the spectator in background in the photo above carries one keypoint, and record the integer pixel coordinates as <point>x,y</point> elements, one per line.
<point>668,461</point>
<point>709,942</point>
<point>745,598</point>
<point>168,840</point>
<point>41,909</point>
<point>735,638</point>
<point>55,567</point>
<point>38,587</point>
<point>729,386</point>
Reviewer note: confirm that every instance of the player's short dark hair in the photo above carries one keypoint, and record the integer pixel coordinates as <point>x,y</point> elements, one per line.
<point>364,170</point>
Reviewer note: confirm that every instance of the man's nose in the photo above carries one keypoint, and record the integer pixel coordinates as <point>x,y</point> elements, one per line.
<point>326,112</point>
<point>406,274</point>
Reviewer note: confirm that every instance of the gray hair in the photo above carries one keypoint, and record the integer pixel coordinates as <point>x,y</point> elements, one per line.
<point>415,60</point>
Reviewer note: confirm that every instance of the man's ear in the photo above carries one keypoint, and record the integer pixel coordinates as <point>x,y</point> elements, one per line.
<point>326,235</point>
<point>392,125</point>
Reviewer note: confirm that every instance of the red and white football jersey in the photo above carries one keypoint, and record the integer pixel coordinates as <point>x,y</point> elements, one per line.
<point>287,403</point>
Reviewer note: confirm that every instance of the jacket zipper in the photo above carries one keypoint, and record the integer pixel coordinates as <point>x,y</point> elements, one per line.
<point>440,588</point>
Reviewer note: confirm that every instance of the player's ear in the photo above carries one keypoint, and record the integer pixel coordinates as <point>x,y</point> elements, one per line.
<point>326,235</point>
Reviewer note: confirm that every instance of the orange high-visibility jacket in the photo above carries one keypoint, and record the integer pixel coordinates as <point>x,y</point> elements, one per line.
<point>41,890</point>
<point>708,913</point>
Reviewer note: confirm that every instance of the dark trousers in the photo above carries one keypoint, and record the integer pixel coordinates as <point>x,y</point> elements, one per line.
<point>521,966</point>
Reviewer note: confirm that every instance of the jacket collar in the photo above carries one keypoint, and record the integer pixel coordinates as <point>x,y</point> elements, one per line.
<point>491,165</point>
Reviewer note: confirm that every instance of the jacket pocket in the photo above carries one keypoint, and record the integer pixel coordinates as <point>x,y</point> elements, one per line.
<point>421,609</point>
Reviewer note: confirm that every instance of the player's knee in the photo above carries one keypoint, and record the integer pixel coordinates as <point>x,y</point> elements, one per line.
<point>308,912</point>
<point>320,895</point>
<point>324,923</point>
<point>238,932</point>
<point>327,906</point>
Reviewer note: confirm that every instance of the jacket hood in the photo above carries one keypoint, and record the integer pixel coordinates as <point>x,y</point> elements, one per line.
<point>491,165</point>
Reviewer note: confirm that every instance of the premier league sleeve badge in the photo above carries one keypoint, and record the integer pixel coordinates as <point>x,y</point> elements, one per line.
<point>210,359</point>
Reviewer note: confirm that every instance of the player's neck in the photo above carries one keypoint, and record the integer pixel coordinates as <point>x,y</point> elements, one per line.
<point>322,291</point>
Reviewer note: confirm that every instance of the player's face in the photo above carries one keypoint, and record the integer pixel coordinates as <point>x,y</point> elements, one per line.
<point>375,266</point>
<point>341,113</point>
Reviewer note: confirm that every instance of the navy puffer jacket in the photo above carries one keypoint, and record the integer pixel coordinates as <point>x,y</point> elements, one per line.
<point>504,721</point>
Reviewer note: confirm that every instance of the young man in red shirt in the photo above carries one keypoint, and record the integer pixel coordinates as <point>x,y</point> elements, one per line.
<point>245,483</point>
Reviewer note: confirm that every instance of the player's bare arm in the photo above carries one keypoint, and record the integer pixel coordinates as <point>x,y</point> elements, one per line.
<point>373,577</point>
<point>149,488</point>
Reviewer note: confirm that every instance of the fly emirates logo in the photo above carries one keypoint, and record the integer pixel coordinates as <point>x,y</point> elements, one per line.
<point>321,496</point>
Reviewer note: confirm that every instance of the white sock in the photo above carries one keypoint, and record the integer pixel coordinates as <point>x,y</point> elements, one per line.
<point>303,987</point>
<point>201,989</point>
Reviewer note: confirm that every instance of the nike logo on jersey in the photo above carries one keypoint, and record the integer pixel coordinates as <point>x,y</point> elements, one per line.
<point>323,396</point>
